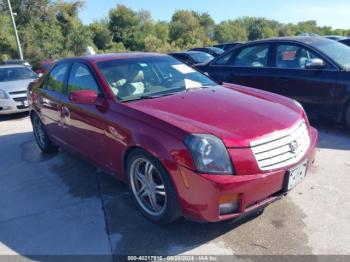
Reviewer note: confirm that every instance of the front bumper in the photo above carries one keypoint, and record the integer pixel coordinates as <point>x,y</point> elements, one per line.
<point>202,194</point>
<point>10,106</point>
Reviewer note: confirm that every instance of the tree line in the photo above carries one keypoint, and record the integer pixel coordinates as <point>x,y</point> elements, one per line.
<point>51,29</point>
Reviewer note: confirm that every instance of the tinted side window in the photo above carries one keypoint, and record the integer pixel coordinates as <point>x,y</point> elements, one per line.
<point>292,56</point>
<point>252,56</point>
<point>225,59</point>
<point>55,80</point>
<point>182,58</point>
<point>186,59</point>
<point>346,42</point>
<point>81,78</point>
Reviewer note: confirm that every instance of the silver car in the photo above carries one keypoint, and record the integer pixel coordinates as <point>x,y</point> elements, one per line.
<point>14,80</point>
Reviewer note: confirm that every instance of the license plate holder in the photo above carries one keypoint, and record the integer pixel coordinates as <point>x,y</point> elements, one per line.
<point>295,176</point>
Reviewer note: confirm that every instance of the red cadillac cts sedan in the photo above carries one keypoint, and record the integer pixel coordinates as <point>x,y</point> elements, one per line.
<point>185,145</point>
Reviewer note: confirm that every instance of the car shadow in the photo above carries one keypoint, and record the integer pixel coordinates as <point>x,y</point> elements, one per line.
<point>332,136</point>
<point>128,231</point>
<point>132,234</point>
<point>17,116</point>
<point>47,188</point>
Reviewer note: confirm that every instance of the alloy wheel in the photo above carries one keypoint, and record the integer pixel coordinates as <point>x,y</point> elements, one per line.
<point>39,132</point>
<point>148,186</point>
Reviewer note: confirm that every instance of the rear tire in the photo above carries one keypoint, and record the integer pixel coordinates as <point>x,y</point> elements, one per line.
<point>152,188</point>
<point>41,137</point>
<point>347,118</point>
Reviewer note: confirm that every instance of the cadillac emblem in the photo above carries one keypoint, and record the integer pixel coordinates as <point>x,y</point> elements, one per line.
<point>294,146</point>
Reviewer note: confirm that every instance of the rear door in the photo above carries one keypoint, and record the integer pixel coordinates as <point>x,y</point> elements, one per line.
<point>85,123</point>
<point>313,88</point>
<point>50,101</point>
<point>248,65</point>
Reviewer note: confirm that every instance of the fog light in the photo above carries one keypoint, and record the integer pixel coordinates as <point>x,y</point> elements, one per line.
<point>228,204</point>
<point>228,208</point>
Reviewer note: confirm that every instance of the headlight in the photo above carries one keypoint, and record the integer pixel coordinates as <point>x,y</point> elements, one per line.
<point>209,154</point>
<point>3,94</point>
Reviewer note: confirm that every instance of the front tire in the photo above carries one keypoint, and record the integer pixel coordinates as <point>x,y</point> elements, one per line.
<point>152,188</point>
<point>41,137</point>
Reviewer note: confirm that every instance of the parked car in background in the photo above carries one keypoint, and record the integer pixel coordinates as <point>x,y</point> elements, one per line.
<point>312,70</point>
<point>334,37</point>
<point>192,57</point>
<point>14,80</point>
<point>17,62</point>
<point>308,34</point>
<point>345,41</point>
<point>42,67</point>
<point>214,51</point>
<point>185,145</point>
<point>228,46</point>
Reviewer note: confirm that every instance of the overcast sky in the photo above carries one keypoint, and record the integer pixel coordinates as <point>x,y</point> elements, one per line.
<point>335,13</point>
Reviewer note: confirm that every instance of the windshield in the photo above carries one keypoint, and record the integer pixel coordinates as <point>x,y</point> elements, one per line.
<point>140,78</point>
<point>16,73</point>
<point>201,57</point>
<point>338,52</point>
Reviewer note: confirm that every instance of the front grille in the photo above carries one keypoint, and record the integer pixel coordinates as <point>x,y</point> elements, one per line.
<point>18,92</point>
<point>282,148</point>
<point>20,99</point>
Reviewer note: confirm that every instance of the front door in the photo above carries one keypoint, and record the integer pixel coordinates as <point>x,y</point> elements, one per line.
<point>50,101</point>
<point>313,88</point>
<point>85,122</point>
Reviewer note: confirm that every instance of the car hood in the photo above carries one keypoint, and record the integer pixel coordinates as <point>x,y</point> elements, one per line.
<point>15,86</point>
<point>237,117</point>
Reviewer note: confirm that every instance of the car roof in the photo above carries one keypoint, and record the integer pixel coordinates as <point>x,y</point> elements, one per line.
<point>298,39</point>
<point>113,56</point>
<point>12,66</point>
<point>188,52</point>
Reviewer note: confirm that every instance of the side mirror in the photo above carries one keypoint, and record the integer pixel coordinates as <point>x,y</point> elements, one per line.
<point>83,97</point>
<point>314,63</point>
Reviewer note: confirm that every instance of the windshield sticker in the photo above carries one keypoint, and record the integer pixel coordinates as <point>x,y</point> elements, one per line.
<point>182,68</point>
<point>192,84</point>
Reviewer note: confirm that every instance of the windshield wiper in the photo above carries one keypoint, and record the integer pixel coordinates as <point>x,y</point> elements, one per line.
<point>147,97</point>
<point>197,87</point>
<point>184,89</point>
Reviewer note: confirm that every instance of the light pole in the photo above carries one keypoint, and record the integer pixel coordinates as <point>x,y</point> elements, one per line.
<point>15,30</point>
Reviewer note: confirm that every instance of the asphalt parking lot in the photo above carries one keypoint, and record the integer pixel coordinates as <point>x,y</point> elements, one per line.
<point>58,204</point>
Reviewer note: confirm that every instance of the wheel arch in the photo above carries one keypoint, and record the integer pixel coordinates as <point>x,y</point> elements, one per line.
<point>32,113</point>
<point>155,149</point>
<point>163,151</point>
